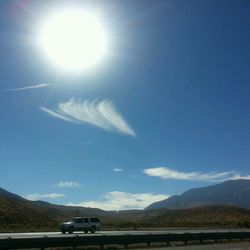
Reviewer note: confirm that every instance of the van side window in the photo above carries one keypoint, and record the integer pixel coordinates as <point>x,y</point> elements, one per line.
<point>94,220</point>
<point>86,220</point>
<point>79,220</point>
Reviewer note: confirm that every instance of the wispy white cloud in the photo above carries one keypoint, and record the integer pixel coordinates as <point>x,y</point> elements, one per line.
<point>68,184</point>
<point>37,196</point>
<point>57,115</point>
<point>35,86</point>
<point>167,173</point>
<point>116,200</point>
<point>87,142</point>
<point>117,169</point>
<point>101,114</point>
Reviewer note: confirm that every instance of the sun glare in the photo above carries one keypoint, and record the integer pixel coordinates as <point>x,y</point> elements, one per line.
<point>73,39</point>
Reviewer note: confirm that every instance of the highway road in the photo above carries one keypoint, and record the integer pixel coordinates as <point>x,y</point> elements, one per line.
<point>135,232</point>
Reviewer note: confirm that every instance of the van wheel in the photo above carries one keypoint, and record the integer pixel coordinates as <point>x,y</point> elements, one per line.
<point>92,229</point>
<point>70,230</point>
<point>63,231</point>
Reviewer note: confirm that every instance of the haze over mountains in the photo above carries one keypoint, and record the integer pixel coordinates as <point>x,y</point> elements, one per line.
<point>233,193</point>
<point>216,205</point>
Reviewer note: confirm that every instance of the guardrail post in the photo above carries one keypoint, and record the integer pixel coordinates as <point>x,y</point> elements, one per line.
<point>74,247</point>
<point>126,244</point>
<point>201,238</point>
<point>45,237</point>
<point>149,242</point>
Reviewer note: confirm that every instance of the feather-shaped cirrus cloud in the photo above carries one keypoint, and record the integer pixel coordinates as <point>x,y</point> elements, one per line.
<point>102,114</point>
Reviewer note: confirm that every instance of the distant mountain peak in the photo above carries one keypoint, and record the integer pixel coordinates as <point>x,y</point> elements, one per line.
<point>231,192</point>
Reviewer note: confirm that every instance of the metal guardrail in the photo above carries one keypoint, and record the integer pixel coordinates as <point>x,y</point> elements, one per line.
<point>127,239</point>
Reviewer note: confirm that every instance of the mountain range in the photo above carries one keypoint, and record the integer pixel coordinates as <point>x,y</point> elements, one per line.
<point>223,205</point>
<point>232,192</point>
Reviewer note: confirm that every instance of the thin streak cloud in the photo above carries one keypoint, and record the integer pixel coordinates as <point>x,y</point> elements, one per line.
<point>57,115</point>
<point>101,114</point>
<point>167,173</point>
<point>36,86</point>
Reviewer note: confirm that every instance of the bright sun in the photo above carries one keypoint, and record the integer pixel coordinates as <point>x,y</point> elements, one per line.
<point>73,39</point>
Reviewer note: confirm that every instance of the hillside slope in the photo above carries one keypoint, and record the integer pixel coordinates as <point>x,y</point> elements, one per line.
<point>17,212</point>
<point>233,192</point>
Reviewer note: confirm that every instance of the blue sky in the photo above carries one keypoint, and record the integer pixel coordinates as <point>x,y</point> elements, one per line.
<point>166,110</point>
